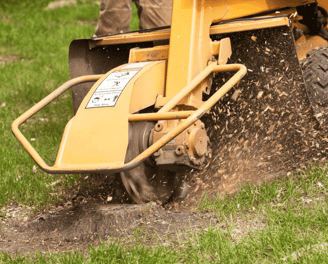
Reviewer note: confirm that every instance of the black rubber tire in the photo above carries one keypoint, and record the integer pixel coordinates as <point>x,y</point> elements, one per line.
<point>315,73</point>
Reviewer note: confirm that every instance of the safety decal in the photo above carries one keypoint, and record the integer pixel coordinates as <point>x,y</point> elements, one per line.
<point>136,65</point>
<point>108,92</point>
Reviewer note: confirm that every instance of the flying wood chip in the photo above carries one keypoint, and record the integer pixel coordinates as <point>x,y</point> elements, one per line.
<point>270,129</point>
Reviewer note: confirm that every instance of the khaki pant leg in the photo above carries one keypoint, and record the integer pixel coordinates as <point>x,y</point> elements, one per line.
<point>154,13</point>
<point>114,17</point>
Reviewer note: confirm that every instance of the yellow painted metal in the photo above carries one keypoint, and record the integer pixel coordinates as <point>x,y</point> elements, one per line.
<point>96,132</point>
<point>323,3</point>
<point>62,167</point>
<point>187,89</point>
<point>134,37</point>
<point>190,43</point>
<point>241,71</point>
<point>154,80</point>
<point>233,26</point>
<point>90,137</point>
<point>149,54</point>
<point>221,48</point>
<point>229,10</point>
<point>238,26</point>
<point>224,51</point>
<point>160,116</point>
<point>241,8</point>
<point>308,43</point>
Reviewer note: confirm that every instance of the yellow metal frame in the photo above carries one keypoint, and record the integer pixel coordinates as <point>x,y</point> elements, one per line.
<point>233,26</point>
<point>162,114</point>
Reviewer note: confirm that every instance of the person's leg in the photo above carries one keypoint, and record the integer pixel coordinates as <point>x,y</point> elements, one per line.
<point>154,13</point>
<point>114,17</point>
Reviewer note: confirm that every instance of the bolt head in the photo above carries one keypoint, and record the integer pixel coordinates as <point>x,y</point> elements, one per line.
<point>179,150</point>
<point>158,153</point>
<point>158,127</point>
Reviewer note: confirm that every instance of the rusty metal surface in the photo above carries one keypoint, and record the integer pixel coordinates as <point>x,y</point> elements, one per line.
<point>187,150</point>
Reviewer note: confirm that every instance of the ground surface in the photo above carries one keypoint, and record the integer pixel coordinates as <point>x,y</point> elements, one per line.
<point>98,212</point>
<point>92,214</point>
<point>74,227</point>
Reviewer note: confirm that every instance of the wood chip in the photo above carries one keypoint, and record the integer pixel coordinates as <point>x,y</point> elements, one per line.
<point>259,95</point>
<point>235,95</point>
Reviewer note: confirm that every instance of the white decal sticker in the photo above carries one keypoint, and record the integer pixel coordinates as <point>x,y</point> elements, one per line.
<point>108,92</point>
<point>135,65</point>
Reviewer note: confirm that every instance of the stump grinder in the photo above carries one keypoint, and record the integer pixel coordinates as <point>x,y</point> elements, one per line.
<point>218,94</point>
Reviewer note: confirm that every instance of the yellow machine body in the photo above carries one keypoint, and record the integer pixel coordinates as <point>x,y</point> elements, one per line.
<point>107,111</point>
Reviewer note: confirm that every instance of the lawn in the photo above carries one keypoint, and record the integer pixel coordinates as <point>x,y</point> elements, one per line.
<point>281,222</point>
<point>34,45</point>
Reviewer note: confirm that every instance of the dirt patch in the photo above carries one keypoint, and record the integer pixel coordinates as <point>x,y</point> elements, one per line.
<point>7,59</point>
<point>96,208</point>
<point>59,4</point>
<point>75,226</point>
<point>87,22</point>
<point>80,222</point>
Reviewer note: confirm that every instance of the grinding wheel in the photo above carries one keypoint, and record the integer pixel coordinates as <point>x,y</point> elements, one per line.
<point>147,182</point>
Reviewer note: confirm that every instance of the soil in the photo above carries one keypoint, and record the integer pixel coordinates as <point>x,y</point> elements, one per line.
<point>7,59</point>
<point>101,210</point>
<point>91,214</point>
<point>262,129</point>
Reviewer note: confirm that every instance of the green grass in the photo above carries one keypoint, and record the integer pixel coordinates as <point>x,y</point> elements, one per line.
<point>134,19</point>
<point>39,40</point>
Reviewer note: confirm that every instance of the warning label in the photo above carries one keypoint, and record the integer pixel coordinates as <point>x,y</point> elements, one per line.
<point>109,91</point>
<point>136,65</point>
